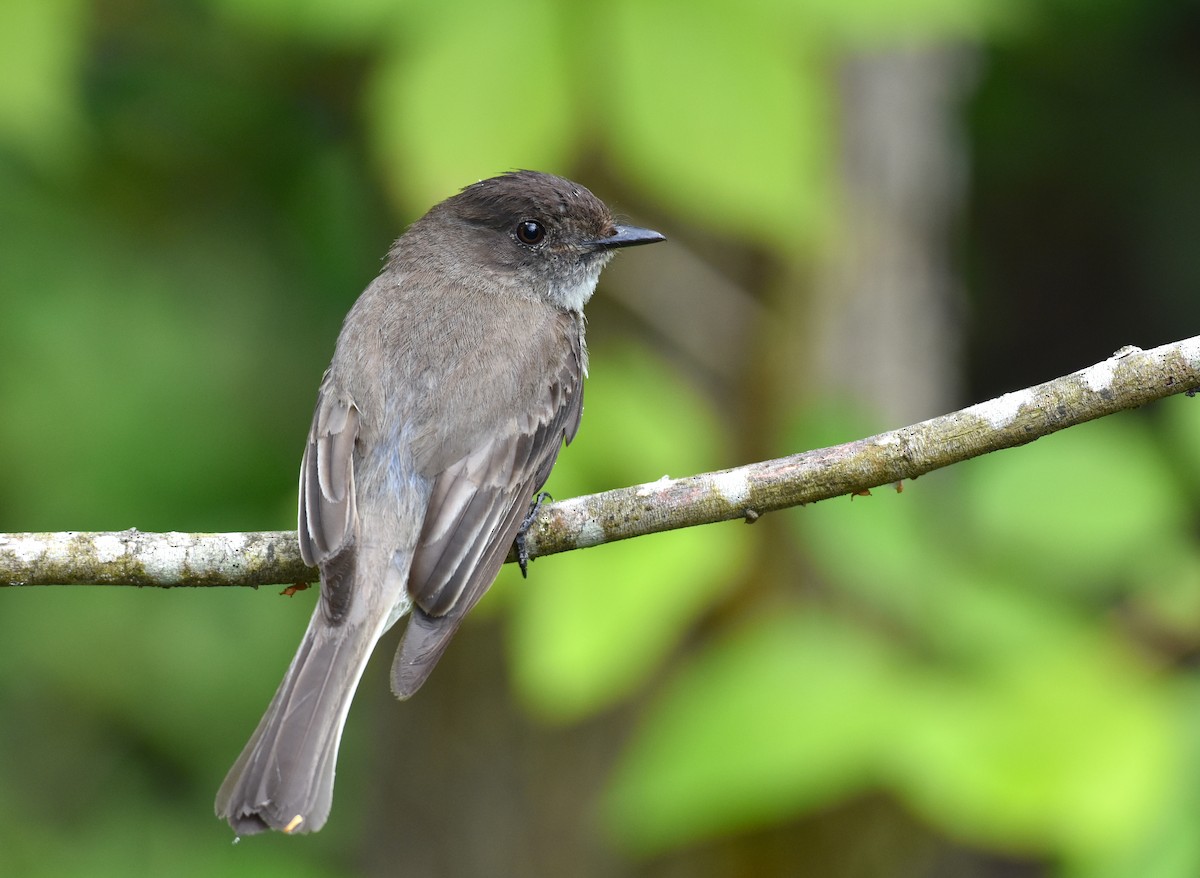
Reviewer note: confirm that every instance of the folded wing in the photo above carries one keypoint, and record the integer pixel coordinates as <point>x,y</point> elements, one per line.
<point>476,507</point>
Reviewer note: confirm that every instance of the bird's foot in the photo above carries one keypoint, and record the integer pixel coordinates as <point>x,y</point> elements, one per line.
<point>522,552</point>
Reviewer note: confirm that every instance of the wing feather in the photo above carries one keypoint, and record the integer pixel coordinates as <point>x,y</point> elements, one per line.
<point>328,508</point>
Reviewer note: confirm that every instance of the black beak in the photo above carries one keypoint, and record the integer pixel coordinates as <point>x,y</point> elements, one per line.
<point>626,236</point>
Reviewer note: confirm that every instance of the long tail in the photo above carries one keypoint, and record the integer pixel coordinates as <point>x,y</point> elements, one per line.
<point>284,778</point>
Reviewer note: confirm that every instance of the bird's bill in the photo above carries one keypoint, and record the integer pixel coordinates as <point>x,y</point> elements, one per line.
<point>626,236</point>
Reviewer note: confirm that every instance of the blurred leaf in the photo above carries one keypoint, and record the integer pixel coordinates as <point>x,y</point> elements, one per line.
<point>1171,847</point>
<point>878,546</point>
<point>1180,419</point>
<point>724,117</point>
<point>41,53</point>
<point>182,373</point>
<point>469,92</point>
<point>588,627</point>
<point>1068,747</point>
<point>347,21</point>
<point>785,714</point>
<point>900,555</point>
<point>1076,510</point>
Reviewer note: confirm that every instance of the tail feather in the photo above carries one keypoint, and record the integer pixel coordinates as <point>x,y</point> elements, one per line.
<point>283,778</point>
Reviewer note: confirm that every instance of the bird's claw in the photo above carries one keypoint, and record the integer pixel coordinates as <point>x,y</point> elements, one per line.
<point>522,552</point>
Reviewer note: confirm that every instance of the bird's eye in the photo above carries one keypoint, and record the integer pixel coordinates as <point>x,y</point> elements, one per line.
<point>530,232</point>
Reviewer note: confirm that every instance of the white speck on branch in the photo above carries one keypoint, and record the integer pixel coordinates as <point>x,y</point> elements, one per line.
<point>1130,378</point>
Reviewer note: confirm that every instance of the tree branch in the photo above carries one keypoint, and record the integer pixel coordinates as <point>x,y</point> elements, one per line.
<point>1128,379</point>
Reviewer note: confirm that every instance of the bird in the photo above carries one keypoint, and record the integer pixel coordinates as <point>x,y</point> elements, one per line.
<point>456,379</point>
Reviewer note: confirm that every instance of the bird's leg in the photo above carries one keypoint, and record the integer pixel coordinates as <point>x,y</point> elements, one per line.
<point>522,554</point>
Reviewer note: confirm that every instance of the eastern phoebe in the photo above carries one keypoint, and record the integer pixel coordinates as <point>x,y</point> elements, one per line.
<point>457,376</point>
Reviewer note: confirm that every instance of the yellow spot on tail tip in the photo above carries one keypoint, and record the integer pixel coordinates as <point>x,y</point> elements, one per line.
<point>295,822</point>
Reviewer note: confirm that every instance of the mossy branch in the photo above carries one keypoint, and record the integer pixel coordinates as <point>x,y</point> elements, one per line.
<point>1128,379</point>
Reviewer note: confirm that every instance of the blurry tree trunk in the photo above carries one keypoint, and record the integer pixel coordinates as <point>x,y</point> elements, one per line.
<point>885,317</point>
<point>463,782</point>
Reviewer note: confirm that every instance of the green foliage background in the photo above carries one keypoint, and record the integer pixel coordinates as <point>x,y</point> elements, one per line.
<point>989,673</point>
